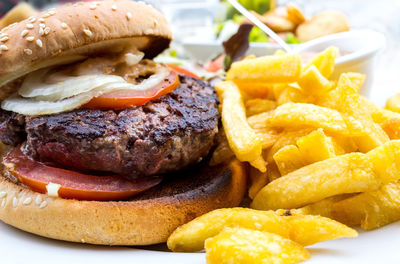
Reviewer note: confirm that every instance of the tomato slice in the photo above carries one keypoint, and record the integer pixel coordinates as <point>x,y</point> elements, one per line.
<point>124,99</point>
<point>215,65</point>
<point>74,185</point>
<point>183,71</point>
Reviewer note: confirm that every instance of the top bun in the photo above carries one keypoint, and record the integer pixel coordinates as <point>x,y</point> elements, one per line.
<point>72,32</point>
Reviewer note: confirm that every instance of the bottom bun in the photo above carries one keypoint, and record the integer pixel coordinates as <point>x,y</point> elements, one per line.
<point>148,218</point>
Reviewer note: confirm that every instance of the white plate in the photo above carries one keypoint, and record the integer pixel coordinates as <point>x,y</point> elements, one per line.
<point>378,246</point>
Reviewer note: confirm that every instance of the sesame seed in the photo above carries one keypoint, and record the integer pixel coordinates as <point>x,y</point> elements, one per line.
<point>30,26</point>
<point>28,51</point>
<point>3,194</point>
<point>114,7</point>
<point>42,25</point>
<point>15,202</point>
<point>3,203</point>
<point>4,39</point>
<point>41,31</point>
<point>41,20</point>
<point>148,31</point>
<point>88,32</point>
<point>46,30</point>
<point>27,201</point>
<point>46,15</point>
<point>39,43</point>
<point>156,22</point>
<point>3,35</point>
<point>32,19</point>
<point>38,199</point>
<point>92,7</point>
<point>52,12</point>
<point>3,47</point>
<point>64,25</point>
<point>128,16</point>
<point>43,205</point>
<point>30,39</point>
<point>24,33</point>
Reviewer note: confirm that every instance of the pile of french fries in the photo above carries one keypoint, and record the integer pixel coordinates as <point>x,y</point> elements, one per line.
<point>317,149</point>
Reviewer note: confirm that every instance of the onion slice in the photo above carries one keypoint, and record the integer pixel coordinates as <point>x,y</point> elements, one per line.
<point>99,85</point>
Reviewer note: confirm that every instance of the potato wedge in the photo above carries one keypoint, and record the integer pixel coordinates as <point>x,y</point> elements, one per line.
<point>324,61</point>
<point>393,103</point>
<point>191,236</point>
<point>258,106</point>
<point>243,246</point>
<point>371,209</point>
<point>348,173</point>
<point>243,140</point>
<point>295,115</point>
<point>268,69</point>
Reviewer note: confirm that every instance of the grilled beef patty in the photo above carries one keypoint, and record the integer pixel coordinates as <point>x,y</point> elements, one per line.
<point>164,135</point>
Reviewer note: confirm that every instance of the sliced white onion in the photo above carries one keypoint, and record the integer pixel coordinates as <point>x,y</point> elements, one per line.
<point>62,86</point>
<point>34,106</point>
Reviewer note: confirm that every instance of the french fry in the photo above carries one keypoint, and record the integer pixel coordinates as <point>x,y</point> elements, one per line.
<point>243,141</point>
<point>357,79</point>
<point>316,146</point>
<point>267,136</point>
<point>324,61</point>
<point>386,161</point>
<point>312,82</point>
<point>242,246</point>
<point>348,173</point>
<point>392,128</point>
<point>371,209</point>
<point>289,159</point>
<point>346,100</point>
<point>267,69</point>
<point>257,181</point>
<point>287,137</point>
<point>255,89</point>
<point>258,106</point>
<point>259,121</point>
<point>323,208</point>
<point>393,103</point>
<point>294,115</point>
<point>259,163</point>
<point>379,114</point>
<point>191,236</point>
<point>291,94</point>
<point>327,229</point>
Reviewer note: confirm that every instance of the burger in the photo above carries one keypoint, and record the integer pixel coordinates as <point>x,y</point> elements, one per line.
<point>101,144</point>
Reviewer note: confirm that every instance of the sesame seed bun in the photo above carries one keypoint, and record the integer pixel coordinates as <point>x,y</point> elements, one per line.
<point>71,32</point>
<point>146,219</point>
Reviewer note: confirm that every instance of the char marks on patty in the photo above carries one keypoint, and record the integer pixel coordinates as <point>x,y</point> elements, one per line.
<point>161,136</point>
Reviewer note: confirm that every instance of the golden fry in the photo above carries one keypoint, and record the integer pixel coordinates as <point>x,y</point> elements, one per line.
<point>322,228</point>
<point>267,69</point>
<point>386,161</point>
<point>258,106</point>
<point>257,181</point>
<point>393,103</point>
<point>191,236</point>
<point>347,101</point>
<point>243,141</point>
<point>242,246</point>
<point>289,159</point>
<point>294,13</point>
<point>295,115</point>
<point>291,94</point>
<point>348,173</point>
<point>312,82</point>
<point>371,209</point>
<point>259,121</point>
<point>324,61</point>
<point>222,153</point>
<point>392,128</point>
<point>267,136</point>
